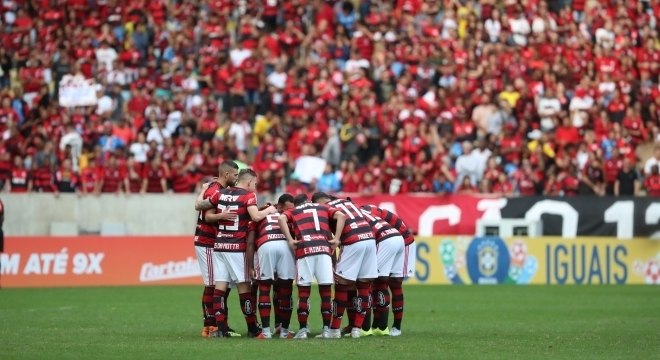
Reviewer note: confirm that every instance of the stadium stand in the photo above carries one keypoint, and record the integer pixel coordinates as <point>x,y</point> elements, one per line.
<point>507,97</point>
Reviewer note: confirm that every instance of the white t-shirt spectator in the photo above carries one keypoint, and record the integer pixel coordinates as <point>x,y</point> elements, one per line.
<point>481,157</point>
<point>448,24</point>
<point>106,56</point>
<point>278,81</point>
<point>547,108</point>
<point>158,135</point>
<point>117,77</point>
<point>493,28</point>
<point>139,152</point>
<point>605,38</point>
<point>520,29</point>
<point>539,25</point>
<point>467,165</point>
<point>356,64</point>
<point>104,105</point>
<point>240,132</point>
<point>581,103</point>
<point>173,121</point>
<point>606,87</point>
<point>649,164</point>
<point>238,55</point>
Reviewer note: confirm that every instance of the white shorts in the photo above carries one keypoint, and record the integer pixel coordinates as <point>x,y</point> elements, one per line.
<point>358,261</point>
<point>390,257</point>
<point>230,267</point>
<point>410,259</point>
<point>317,267</point>
<point>275,257</point>
<point>205,259</point>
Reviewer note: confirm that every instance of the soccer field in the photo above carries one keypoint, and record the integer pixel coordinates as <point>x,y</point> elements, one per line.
<point>440,322</point>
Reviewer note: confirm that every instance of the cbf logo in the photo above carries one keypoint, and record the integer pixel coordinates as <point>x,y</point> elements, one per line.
<point>487,260</point>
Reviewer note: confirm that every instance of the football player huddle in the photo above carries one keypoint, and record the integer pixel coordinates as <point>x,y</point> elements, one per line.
<point>364,252</point>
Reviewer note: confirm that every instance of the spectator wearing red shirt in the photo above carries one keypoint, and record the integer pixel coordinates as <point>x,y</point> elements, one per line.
<point>252,72</point>
<point>652,182</point>
<point>154,177</point>
<point>527,182</point>
<point>592,178</point>
<point>44,181</point>
<point>609,53</point>
<point>567,133</point>
<point>5,166</point>
<point>635,126</point>
<point>90,177</point>
<point>294,186</point>
<point>134,172</point>
<point>502,186</point>
<point>370,185</point>
<point>466,187</point>
<point>113,178</point>
<point>350,178</point>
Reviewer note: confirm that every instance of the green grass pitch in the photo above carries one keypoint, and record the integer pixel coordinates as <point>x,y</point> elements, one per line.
<point>441,322</point>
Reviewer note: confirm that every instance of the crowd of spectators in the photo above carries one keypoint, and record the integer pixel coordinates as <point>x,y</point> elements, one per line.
<point>512,97</point>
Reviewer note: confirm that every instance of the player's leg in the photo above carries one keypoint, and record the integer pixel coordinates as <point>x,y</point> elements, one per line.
<point>285,269</point>
<point>351,310</point>
<point>205,260</point>
<point>304,282</point>
<point>265,306</point>
<point>285,290</point>
<point>368,271</point>
<point>390,257</point>
<point>248,308</point>
<point>396,287</point>
<point>380,295</point>
<point>266,274</point>
<point>239,273</point>
<point>346,272</point>
<point>222,278</point>
<point>324,276</point>
<point>277,309</point>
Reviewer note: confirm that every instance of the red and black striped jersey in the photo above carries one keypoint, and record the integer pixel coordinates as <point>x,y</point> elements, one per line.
<point>206,233</point>
<point>19,180</point>
<point>393,219</point>
<point>356,228</point>
<point>267,230</point>
<point>311,226</point>
<point>232,235</point>
<point>382,230</point>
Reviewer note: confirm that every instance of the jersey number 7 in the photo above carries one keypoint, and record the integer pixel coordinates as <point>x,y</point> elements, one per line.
<point>317,226</point>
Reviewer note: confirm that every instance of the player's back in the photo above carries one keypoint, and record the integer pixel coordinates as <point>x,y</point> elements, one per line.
<point>233,233</point>
<point>311,226</point>
<point>356,227</point>
<point>267,230</point>
<point>381,229</point>
<point>393,219</point>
